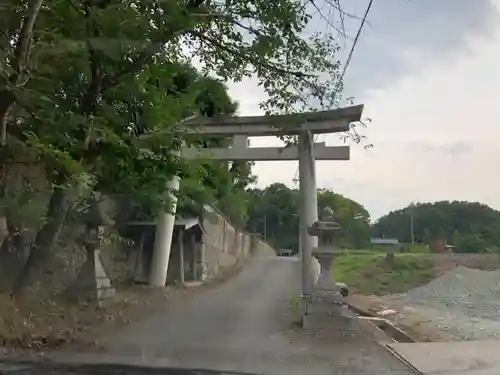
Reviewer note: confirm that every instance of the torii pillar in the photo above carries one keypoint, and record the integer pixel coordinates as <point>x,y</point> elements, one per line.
<point>305,125</point>
<point>308,209</point>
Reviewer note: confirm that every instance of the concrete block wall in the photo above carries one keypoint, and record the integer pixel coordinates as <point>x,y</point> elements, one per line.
<point>224,244</point>
<point>220,246</point>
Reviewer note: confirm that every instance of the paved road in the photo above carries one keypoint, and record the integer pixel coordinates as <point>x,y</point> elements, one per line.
<point>247,325</point>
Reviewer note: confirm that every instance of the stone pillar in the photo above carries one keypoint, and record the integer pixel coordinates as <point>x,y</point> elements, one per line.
<point>308,212</point>
<point>194,250</point>
<point>325,280</point>
<point>181,255</point>
<point>201,267</point>
<point>164,234</point>
<point>92,283</point>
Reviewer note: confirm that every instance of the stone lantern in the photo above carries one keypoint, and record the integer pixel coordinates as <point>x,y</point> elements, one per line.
<point>92,282</point>
<point>327,309</point>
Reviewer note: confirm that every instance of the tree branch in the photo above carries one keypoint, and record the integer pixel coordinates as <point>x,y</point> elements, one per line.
<point>193,4</point>
<point>336,5</point>
<point>22,49</point>
<point>136,64</point>
<point>232,20</point>
<point>73,5</point>
<point>21,54</point>
<point>90,97</point>
<point>327,20</point>
<point>249,58</point>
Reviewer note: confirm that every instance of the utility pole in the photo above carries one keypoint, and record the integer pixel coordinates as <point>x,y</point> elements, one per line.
<point>412,231</point>
<point>265,227</point>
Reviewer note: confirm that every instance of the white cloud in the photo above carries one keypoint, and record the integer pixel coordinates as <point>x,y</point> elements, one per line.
<point>436,135</point>
<point>248,95</point>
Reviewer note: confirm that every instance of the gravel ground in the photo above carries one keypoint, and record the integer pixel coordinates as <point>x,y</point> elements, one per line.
<point>463,303</point>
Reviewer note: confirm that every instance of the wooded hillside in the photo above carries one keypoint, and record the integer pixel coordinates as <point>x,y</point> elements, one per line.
<point>470,227</point>
<point>273,213</point>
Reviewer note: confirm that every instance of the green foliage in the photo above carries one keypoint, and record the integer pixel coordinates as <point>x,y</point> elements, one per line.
<point>273,213</point>
<point>102,74</point>
<point>96,91</point>
<point>274,210</point>
<point>414,248</point>
<point>351,215</point>
<point>373,274</point>
<point>25,206</point>
<point>470,227</point>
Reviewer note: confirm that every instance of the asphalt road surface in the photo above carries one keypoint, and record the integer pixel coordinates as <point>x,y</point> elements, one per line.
<point>247,325</point>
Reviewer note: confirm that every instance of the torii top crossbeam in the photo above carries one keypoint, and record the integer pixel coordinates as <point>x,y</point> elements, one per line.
<point>332,121</point>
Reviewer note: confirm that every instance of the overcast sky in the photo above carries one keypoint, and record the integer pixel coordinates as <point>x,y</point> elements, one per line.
<point>427,73</point>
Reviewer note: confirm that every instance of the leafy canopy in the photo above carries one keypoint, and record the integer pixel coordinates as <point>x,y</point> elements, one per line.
<point>98,73</point>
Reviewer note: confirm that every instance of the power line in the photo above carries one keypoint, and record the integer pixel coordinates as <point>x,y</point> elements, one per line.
<point>346,65</point>
<point>356,38</point>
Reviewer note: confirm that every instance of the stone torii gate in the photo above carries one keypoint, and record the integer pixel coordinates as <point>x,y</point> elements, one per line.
<point>305,125</point>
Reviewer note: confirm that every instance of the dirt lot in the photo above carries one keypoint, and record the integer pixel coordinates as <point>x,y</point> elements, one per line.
<point>446,262</point>
<point>449,311</point>
<point>403,319</point>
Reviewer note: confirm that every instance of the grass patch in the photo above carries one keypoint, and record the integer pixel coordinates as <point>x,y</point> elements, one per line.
<point>373,274</point>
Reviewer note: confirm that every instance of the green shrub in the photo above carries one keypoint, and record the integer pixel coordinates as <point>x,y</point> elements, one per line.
<point>373,274</point>
<point>415,248</point>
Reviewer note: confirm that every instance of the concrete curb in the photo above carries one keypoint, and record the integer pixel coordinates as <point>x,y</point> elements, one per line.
<point>377,331</point>
<point>396,355</point>
<point>393,331</point>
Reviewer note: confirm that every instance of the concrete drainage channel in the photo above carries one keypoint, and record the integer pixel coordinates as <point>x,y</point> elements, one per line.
<point>383,332</point>
<point>379,328</point>
<point>387,328</point>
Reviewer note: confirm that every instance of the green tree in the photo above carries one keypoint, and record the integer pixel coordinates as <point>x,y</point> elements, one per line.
<point>274,212</point>
<point>212,182</point>
<point>456,238</point>
<point>82,80</point>
<point>352,216</point>
<point>470,227</point>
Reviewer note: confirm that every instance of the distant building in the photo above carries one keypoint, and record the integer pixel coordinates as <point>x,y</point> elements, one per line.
<point>386,242</point>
